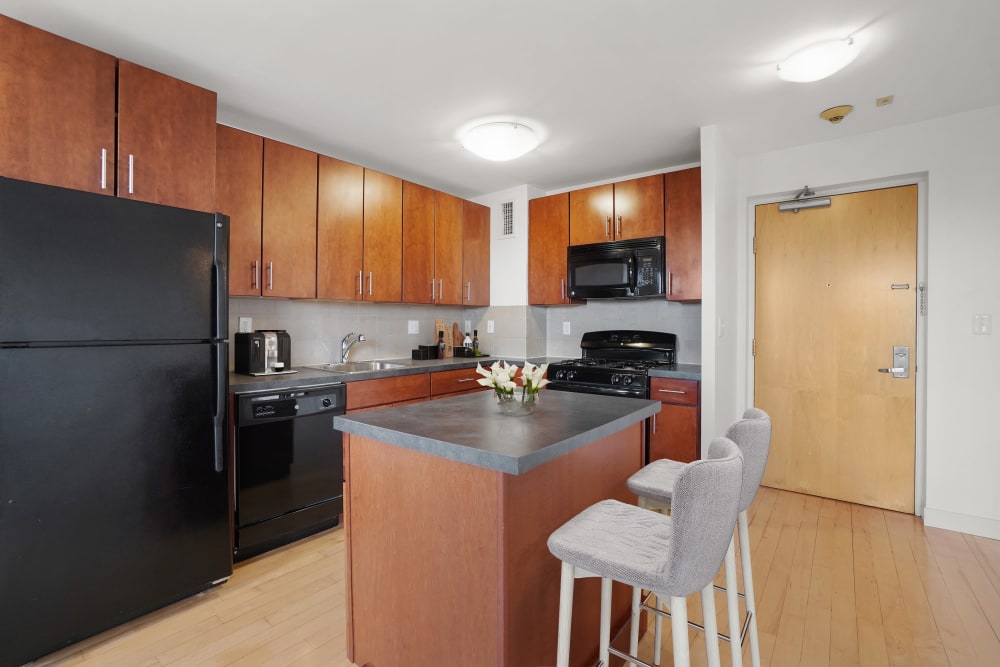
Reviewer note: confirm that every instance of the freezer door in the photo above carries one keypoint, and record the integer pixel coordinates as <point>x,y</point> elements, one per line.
<point>76,266</point>
<point>113,501</point>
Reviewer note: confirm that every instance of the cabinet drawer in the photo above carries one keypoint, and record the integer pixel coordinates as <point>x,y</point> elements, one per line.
<point>382,391</point>
<point>455,381</point>
<point>669,390</point>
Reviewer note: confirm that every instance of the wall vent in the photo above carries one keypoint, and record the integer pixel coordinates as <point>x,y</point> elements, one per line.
<point>507,230</point>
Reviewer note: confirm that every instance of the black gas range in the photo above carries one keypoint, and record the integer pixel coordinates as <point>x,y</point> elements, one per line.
<point>615,363</point>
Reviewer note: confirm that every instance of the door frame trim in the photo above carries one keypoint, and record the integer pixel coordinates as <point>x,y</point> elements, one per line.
<point>920,426</point>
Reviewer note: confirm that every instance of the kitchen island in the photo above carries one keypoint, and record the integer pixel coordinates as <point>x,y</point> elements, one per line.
<point>448,505</point>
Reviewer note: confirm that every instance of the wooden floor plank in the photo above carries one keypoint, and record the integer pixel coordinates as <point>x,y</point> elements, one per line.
<point>837,585</point>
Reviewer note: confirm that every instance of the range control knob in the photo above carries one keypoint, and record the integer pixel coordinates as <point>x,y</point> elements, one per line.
<point>570,375</point>
<point>327,402</point>
<point>560,375</point>
<point>615,379</point>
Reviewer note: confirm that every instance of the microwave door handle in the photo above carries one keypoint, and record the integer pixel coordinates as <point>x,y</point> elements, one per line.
<point>632,278</point>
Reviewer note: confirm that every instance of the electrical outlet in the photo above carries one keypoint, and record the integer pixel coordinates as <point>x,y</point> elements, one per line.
<point>246,324</point>
<point>468,326</point>
<point>565,328</point>
<point>413,326</point>
<point>489,326</point>
<point>982,325</point>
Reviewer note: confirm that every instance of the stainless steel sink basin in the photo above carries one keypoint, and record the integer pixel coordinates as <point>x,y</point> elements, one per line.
<point>357,366</point>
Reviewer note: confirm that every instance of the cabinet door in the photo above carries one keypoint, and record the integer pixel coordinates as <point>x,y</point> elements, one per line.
<point>57,110</point>
<point>448,222</point>
<point>590,215</point>
<point>289,221</point>
<point>419,284</point>
<point>455,382</point>
<point>673,434</point>
<point>340,230</point>
<point>683,228</point>
<point>476,254</point>
<point>638,208</point>
<point>239,189</point>
<point>166,139</point>
<point>548,236</point>
<point>383,246</point>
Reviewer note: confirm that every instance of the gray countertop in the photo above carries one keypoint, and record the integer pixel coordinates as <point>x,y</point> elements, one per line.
<point>304,377</point>
<point>471,429</point>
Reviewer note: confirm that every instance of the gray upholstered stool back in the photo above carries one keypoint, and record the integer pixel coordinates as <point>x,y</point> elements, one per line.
<point>753,436</point>
<point>705,504</point>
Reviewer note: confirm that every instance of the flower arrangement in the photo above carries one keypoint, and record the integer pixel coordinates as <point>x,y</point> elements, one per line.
<point>500,377</point>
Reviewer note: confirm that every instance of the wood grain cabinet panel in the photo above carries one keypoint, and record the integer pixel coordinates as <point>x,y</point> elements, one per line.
<point>548,238</point>
<point>383,234</point>
<point>591,211</point>
<point>57,110</point>
<point>340,230</point>
<point>476,254</point>
<point>239,191</point>
<point>630,209</point>
<point>385,391</point>
<point>455,382</point>
<point>289,221</point>
<point>675,433</point>
<point>448,249</point>
<point>166,139</point>
<point>683,231</point>
<point>419,278</point>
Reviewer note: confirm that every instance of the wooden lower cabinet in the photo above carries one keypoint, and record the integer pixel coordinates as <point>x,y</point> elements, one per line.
<point>387,391</point>
<point>675,433</point>
<point>455,382</point>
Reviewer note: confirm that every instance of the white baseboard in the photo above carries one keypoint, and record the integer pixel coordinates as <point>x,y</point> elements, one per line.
<point>962,523</point>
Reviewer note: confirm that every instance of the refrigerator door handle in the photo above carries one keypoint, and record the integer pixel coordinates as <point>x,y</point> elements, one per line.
<point>219,409</point>
<point>220,280</point>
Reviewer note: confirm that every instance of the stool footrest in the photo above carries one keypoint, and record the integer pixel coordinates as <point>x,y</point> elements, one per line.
<point>691,624</point>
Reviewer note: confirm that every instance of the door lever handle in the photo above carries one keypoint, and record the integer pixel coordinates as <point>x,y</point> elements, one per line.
<point>892,370</point>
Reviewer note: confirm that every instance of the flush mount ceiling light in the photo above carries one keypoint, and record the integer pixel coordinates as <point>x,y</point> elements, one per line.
<point>500,141</point>
<point>818,61</point>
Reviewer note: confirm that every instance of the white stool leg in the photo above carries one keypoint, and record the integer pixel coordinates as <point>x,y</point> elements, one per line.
<point>565,614</point>
<point>633,640</point>
<point>748,586</point>
<point>733,607</point>
<point>657,634</point>
<point>679,628</point>
<point>605,620</point>
<point>711,625</point>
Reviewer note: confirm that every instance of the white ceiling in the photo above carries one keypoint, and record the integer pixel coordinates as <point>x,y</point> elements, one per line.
<point>616,87</point>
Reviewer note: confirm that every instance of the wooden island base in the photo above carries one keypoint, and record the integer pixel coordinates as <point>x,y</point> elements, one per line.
<point>447,562</point>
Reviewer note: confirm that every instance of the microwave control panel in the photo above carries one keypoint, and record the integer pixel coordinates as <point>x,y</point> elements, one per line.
<point>647,272</point>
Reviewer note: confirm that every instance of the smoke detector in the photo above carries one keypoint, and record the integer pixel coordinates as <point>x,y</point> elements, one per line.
<point>836,114</point>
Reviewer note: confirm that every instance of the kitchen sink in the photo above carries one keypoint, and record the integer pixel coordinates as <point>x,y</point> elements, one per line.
<point>357,366</point>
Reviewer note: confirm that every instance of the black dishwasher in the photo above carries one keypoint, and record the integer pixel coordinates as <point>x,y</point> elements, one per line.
<point>289,466</point>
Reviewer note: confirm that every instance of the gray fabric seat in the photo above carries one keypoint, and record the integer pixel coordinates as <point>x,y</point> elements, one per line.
<point>674,556</point>
<point>655,483</point>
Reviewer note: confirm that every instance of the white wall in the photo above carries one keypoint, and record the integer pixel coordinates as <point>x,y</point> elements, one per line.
<point>960,155</point>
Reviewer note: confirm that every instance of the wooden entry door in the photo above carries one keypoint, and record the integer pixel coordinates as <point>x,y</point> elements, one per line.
<point>835,292</point>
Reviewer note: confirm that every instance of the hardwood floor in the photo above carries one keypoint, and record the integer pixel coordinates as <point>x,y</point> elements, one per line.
<point>837,585</point>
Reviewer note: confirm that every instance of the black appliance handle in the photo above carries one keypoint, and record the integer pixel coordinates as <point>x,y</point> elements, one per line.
<point>632,275</point>
<point>220,272</point>
<point>221,353</point>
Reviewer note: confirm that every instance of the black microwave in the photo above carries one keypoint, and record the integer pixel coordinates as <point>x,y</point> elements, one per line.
<point>616,269</point>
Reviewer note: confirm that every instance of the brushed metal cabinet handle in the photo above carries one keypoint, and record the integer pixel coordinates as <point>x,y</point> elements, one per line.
<point>618,226</point>
<point>370,281</point>
<point>467,379</point>
<point>671,391</point>
<point>131,174</point>
<point>670,282</point>
<point>104,168</point>
<point>468,291</point>
<point>562,289</point>
<point>361,283</point>
<point>654,423</point>
<point>607,227</point>
<point>270,276</point>
<point>432,289</point>
<point>255,276</point>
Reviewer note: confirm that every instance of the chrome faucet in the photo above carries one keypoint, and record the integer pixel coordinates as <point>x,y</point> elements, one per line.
<point>349,341</point>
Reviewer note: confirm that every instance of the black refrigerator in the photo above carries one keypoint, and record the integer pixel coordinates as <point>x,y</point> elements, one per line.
<point>114,494</point>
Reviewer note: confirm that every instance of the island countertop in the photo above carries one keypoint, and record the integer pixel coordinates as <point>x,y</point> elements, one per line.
<point>470,428</point>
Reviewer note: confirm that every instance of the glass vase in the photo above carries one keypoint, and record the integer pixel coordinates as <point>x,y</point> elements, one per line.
<point>518,404</point>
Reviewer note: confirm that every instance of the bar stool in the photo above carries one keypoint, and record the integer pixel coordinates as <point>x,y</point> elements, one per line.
<point>655,484</point>
<point>673,556</point>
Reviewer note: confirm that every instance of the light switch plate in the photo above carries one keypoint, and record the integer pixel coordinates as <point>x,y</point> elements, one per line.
<point>413,326</point>
<point>566,328</point>
<point>982,325</point>
<point>489,326</point>
<point>246,325</point>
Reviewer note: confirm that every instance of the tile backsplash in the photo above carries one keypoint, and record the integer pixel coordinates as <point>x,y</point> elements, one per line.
<point>316,327</point>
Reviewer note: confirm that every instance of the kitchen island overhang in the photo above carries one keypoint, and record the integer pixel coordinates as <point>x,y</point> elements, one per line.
<point>448,506</point>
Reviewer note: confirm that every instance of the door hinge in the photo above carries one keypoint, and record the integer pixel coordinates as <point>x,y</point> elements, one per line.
<point>755,245</point>
<point>753,348</point>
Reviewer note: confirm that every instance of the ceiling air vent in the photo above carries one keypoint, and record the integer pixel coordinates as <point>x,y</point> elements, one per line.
<point>507,230</point>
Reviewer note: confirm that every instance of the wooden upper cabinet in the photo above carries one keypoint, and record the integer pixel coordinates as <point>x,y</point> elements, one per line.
<point>683,231</point>
<point>166,139</point>
<point>626,210</point>
<point>419,279</point>
<point>239,185</point>
<point>591,211</point>
<point>548,237</point>
<point>340,230</point>
<point>476,254</point>
<point>289,221</point>
<point>448,223</point>
<point>57,110</point>
<point>639,208</point>
<point>383,244</point>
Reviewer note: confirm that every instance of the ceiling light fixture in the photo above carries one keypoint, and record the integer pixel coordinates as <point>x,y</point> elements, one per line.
<point>500,141</point>
<point>800,202</point>
<point>818,61</point>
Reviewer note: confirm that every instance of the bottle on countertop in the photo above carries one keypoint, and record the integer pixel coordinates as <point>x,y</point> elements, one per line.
<point>475,341</point>
<point>440,345</point>
<point>467,343</point>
